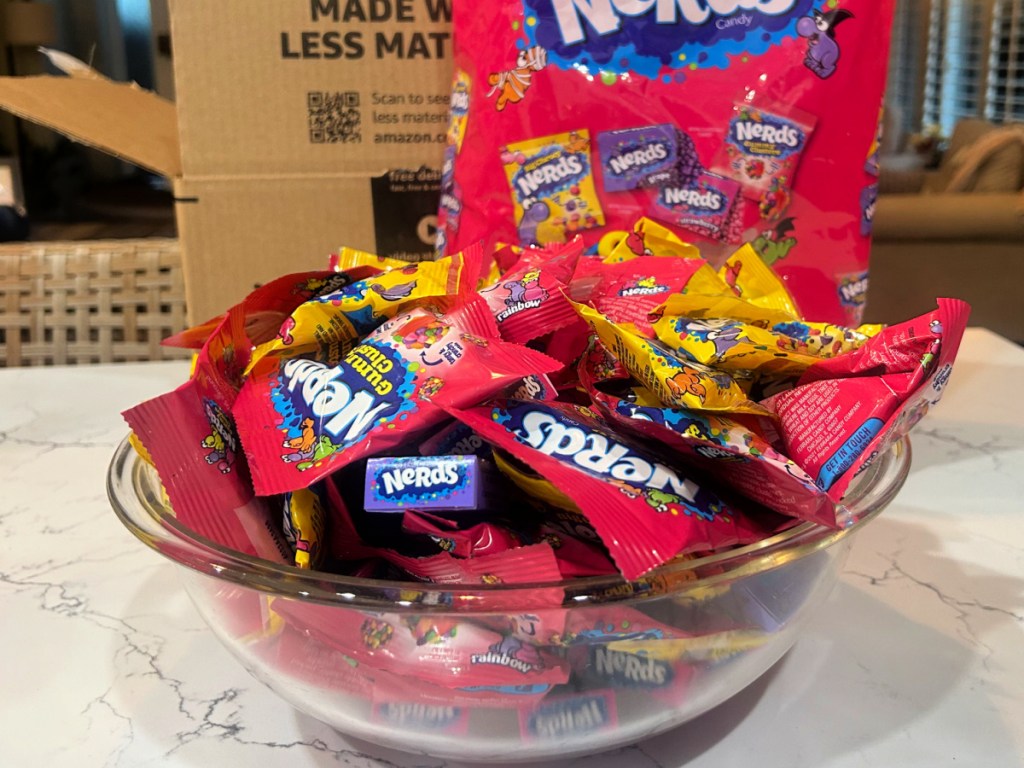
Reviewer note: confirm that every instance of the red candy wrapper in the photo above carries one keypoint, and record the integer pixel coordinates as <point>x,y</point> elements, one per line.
<point>302,419</point>
<point>195,449</point>
<point>727,449</point>
<point>479,539</point>
<point>306,659</point>
<point>529,300</point>
<point>645,512</point>
<point>438,650</point>
<point>630,290</point>
<point>873,395</point>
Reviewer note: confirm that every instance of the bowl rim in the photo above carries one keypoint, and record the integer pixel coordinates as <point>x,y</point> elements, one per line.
<point>134,492</point>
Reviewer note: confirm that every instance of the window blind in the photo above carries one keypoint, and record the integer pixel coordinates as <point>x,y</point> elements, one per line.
<point>953,59</point>
<point>1004,95</point>
<point>957,61</point>
<point>906,66</point>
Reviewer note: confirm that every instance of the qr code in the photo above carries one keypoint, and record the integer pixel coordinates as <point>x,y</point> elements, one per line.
<point>334,117</point>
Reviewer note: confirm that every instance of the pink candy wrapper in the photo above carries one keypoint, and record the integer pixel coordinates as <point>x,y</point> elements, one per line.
<point>872,396</point>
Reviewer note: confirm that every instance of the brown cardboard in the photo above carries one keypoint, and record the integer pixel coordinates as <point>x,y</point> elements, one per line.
<point>253,229</point>
<point>244,71</point>
<point>263,185</point>
<point>118,118</point>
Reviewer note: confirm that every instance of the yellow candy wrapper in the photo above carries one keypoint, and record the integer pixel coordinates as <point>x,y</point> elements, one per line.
<point>718,645</point>
<point>329,326</point>
<point>754,281</point>
<point>675,382</point>
<point>304,522</point>
<point>534,485</point>
<point>348,258</point>
<point>732,346</point>
<point>825,339</point>
<point>705,304</point>
<point>552,185</point>
<point>136,443</point>
<point>648,238</point>
<point>784,350</point>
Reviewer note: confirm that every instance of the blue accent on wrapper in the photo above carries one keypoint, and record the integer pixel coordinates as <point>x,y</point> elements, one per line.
<point>847,453</point>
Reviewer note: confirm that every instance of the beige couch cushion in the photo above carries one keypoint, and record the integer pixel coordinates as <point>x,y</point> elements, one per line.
<point>982,158</point>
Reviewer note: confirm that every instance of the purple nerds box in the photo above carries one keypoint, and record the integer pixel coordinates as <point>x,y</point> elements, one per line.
<point>631,156</point>
<point>394,484</point>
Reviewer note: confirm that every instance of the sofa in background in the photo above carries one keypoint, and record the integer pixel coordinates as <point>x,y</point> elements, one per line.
<point>957,231</point>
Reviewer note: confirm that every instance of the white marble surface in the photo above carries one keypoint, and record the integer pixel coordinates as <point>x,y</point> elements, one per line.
<point>916,660</point>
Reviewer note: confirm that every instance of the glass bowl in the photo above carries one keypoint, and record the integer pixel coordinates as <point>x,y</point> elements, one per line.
<point>509,673</point>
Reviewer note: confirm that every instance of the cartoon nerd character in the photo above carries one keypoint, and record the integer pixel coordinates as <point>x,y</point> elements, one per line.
<point>686,382</point>
<point>659,500</point>
<point>732,274</point>
<point>395,292</point>
<point>577,143</point>
<point>301,446</point>
<point>636,243</point>
<point>528,288</point>
<point>285,332</point>
<point>724,334</point>
<point>775,244</point>
<point>698,430</point>
<point>220,442</point>
<point>219,454</point>
<point>774,200</point>
<point>630,491</point>
<point>533,217</point>
<point>511,85</point>
<point>820,30</point>
<point>514,648</point>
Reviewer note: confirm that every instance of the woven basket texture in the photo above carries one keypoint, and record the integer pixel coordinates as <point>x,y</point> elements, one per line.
<point>82,302</point>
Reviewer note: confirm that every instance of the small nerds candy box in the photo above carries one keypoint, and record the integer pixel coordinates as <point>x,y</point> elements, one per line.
<point>394,484</point>
<point>705,205</point>
<point>552,186</point>
<point>632,157</point>
<point>762,149</point>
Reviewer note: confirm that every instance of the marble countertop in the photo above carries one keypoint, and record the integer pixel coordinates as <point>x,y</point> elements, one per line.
<point>916,660</point>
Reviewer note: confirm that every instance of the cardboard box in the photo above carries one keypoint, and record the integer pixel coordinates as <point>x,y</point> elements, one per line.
<point>299,126</point>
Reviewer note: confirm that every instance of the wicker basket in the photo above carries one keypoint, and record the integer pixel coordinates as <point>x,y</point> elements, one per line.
<point>99,301</point>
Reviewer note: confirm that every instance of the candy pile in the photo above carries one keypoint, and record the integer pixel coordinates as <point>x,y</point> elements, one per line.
<point>529,416</point>
<point>446,419</point>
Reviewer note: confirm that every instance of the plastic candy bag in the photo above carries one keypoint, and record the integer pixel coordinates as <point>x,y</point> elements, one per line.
<point>728,123</point>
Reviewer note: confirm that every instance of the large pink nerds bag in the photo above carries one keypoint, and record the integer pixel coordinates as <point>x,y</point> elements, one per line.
<point>728,121</point>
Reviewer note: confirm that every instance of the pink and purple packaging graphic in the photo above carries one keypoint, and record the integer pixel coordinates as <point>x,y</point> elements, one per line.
<point>687,80</point>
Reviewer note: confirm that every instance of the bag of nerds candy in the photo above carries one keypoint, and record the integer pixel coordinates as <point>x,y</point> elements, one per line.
<point>728,122</point>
